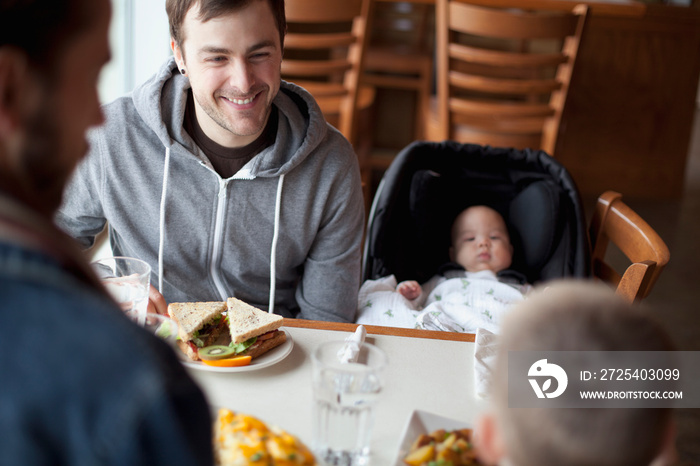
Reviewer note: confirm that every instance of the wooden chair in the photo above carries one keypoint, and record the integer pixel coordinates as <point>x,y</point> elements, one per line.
<point>613,221</point>
<point>324,53</point>
<point>400,53</point>
<point>503,73</point>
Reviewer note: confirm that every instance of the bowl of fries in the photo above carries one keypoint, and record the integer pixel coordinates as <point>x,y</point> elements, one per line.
<point>429,439</point>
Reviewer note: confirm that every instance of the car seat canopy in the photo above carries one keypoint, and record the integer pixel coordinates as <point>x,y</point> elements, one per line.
<point>428,184</point>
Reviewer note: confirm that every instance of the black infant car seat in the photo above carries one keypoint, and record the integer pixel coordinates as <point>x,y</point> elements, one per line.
<point>428,184</point>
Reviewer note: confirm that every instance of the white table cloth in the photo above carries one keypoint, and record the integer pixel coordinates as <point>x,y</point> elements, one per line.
<point>433,375</point>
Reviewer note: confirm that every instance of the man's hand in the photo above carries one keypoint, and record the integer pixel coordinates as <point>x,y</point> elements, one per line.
<point>409,289</point>
<point>156,302</point>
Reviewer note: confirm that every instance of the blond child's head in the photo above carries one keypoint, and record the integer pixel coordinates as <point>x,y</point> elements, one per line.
<point>575,316</point>
<point>480,240</point>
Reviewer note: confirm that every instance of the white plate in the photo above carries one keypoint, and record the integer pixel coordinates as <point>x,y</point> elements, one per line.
<point>422,422</point>
<point>273,356</point>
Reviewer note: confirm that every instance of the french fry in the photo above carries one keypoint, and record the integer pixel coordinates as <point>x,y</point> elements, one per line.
<point>420,456</point>
<point>449,446</point>
<point>422,440</point>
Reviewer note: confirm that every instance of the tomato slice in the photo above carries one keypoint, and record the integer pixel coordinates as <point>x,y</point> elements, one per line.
<point>229,362</point>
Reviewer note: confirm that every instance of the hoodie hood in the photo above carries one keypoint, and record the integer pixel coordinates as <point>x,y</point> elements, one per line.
<point>161,103</point>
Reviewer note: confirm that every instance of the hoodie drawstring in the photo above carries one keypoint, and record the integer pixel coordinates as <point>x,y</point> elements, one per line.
<point>275,234</point>
<point>273,252</point>
<point>161,226</point>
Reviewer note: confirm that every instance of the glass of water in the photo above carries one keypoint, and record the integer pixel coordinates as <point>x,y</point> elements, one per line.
<point>127,279</point>
<point>344,399</point>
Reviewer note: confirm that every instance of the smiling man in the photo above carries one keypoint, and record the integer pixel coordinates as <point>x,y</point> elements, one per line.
<point>226,179</point>
<point>233,81</point>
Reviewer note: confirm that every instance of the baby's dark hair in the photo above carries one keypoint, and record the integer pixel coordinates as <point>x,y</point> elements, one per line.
<point>453,225</point>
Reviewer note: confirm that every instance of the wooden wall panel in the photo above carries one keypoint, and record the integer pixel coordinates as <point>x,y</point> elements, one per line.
<point>631,104</point>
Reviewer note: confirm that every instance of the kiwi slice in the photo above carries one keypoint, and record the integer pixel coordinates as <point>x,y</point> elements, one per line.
<point>214,352</point>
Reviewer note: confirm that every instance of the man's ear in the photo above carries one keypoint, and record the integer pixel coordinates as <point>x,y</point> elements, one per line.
<point>488,440</point>
<point>14,84</point>
<point>177,53</point>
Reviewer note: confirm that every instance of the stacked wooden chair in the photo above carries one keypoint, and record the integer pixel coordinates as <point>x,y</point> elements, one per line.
<point>324,52</point>
<point>503,73</point>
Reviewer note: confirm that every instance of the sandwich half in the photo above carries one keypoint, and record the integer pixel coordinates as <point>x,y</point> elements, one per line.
<point>253,331</point>
<point>199,324</point>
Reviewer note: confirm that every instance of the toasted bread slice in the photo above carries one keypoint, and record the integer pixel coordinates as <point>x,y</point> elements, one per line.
<point>246,321</point>
<point>191,317</point>
<point>188,350</point>
<point>263,346</point>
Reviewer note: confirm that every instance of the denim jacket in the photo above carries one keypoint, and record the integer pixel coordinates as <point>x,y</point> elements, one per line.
<point>79,383</point>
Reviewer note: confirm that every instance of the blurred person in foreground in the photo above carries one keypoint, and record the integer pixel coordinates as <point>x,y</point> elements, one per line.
<point>227,180</point>
<point>81,384</point>
<point>575,316</point>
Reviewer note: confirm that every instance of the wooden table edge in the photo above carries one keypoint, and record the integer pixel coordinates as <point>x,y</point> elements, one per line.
<point>379,330</point>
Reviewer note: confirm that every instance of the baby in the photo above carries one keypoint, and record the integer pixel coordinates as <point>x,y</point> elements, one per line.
<point>474,293</point>
<point>480,241</point>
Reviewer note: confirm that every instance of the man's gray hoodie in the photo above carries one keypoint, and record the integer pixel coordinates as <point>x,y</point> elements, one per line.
<point>295,208</point>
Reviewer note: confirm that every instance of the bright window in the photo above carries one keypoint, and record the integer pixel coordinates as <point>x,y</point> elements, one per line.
<point>140,42</point>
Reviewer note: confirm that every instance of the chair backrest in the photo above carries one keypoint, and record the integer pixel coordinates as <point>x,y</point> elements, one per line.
<point>324,51</point>
<point>400,56</point>
<point>614,221</point>
<point>403,25</point>
<point>503,73</point>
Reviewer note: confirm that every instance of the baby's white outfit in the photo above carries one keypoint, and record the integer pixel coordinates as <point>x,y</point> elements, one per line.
<point>458,301</point>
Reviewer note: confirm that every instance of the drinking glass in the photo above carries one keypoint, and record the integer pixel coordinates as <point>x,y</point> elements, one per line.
<point>127,279</point>
<point>344,399</point>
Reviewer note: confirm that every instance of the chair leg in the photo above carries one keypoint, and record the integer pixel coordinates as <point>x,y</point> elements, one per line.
<point>363,147</point>
<point>423,102</point>
<point>366,175</point>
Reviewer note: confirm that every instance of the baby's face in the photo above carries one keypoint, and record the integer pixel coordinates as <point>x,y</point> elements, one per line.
<point>480,240</point>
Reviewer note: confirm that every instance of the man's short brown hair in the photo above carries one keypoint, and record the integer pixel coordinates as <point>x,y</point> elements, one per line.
<point>209,9</point>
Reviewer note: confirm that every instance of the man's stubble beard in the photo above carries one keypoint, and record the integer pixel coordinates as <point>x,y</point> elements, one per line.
<point>218,116</point>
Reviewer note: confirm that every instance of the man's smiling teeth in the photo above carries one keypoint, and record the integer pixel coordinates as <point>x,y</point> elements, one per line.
<point>240,101</point>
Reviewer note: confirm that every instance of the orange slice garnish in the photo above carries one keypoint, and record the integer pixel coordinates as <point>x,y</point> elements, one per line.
<point>229,362</point>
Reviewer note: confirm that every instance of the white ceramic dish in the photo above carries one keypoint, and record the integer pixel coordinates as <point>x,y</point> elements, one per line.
<point>273,356</point>
<point>422,422</point>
